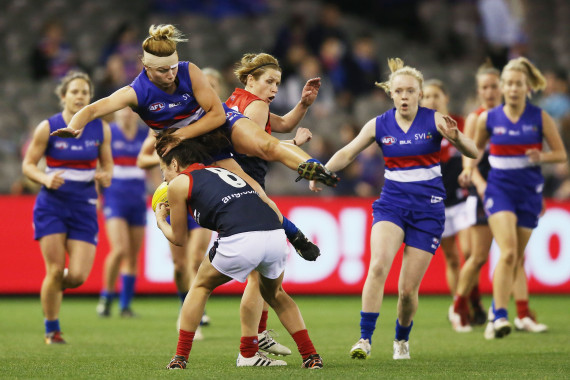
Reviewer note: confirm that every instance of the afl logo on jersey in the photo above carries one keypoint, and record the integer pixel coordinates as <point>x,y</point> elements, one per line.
<point>500,130</point>
<point>61,145</point>
<point>388,140</point>
<point>155,107</point>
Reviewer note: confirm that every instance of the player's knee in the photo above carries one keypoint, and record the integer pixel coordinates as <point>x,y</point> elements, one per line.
<point>269,148</point>
<point>74,280</point>
<point>407,295</point>
<point>377,271</point>
<point>508,257</point>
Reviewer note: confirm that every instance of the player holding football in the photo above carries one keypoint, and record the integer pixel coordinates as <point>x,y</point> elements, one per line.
<point>250,237</point>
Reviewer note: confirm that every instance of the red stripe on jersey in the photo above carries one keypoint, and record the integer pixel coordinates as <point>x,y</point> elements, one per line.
<point>513,150</point>
<point>76,164</point>
<point>125,161</point>
<point>410,161</point>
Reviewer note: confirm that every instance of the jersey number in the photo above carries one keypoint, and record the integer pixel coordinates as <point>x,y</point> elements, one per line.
<point>228,177</point>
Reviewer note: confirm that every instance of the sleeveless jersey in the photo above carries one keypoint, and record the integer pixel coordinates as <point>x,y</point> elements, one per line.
<point>221,201</point>
<point>77,157</point>
<point>411,159</point>
<point>160,110</point>
<point>253,166</point>
<point>128,178</point>
<point>509,142</point>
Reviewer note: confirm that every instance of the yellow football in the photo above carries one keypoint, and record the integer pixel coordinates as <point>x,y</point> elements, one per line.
<point>160,195</point>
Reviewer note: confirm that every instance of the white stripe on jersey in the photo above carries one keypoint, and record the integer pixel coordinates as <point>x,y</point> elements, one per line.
<point>74,174</point>
<point>518,162</point>
<point>413,175</point>
<point>128,172</point>
<point>189,120</point>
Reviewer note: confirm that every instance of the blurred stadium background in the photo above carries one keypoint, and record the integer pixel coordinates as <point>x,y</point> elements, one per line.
<point>344,42</point>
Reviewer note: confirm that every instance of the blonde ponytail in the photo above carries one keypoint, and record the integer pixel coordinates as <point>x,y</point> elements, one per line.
<point>397,67</point>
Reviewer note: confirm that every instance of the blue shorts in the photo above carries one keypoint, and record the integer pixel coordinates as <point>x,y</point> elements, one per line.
<point>192,225</point>
<point>422,229</point>
<point>54,215</point>
<point>130,208</point>
<point>232,116</point>
<point>525,204</point>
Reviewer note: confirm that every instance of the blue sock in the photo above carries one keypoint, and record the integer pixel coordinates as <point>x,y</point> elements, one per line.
<point>290,228</point>
<point>127,290</point>
<point>403,333</point>
<point>501,313</point>
<point>314,160</point>
<point>367,325</point>
<point>182,296</point>
<point>107,294</point>
<point>51,325</point>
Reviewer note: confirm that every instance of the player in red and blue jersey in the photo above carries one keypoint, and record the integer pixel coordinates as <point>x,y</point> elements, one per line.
<point>261,76</point>
<point>65,216</point>
<point>250,237</point>
<point>513,197</point>
<point>410,209</point>
<point>480,237</point>
<point>125,213</point>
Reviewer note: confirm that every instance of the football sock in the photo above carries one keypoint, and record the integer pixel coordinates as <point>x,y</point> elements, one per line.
<point>367,325</point>
<point>109,295</point>
<point>501,313</point>
<point>263,322</point>
<point>185,339</point>
<point>403,333</point>
<point>522,309</point>
<point>127,290</point>
<point>460,304</point>
<point>248,346</point>
<point>304,344</point>
<point>51,326</point>
<point>314,160</point>
<point>475,297</point>
<point>290,228</point>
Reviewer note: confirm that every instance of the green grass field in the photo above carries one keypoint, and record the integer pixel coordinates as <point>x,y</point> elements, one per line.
<point>140,348</point>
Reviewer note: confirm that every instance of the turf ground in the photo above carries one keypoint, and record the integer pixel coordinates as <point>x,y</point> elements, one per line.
<point>140,348</point>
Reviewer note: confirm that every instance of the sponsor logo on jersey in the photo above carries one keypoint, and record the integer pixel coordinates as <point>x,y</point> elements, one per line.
<point>61,145</point>
<point>526,128</point>
<point>76,147</point>
<point>90,143</point>
<point>388,140</point>
<point>404,142</point>
<point>155,107</point>
<point>499,130</point>
<point>172,105</point>
<point>423,136</point>
<point>514,133</point>
<point>436,199</point>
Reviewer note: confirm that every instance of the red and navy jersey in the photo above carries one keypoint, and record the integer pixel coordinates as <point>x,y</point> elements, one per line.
<point>221,201</point>
<point>508,145</point>
<point>77,157</point>
<point>412,166</point>
<point>128,178</point>
<point>160,110</point>
<point>255,167</point>
<point>451,167</point>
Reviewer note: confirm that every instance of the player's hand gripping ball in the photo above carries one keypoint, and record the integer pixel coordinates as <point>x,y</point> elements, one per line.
<point>160,195</point>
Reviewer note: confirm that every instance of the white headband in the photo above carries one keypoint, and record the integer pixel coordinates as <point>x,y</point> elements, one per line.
<point>154,61</point>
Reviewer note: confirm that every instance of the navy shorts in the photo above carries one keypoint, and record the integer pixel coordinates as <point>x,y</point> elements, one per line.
<point>132,209</point>
<point>526,204</point>
<point>54,215</point>
<point>422,229</point>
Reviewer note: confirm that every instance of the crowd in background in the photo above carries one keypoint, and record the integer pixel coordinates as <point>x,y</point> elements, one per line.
<point>346,46</point>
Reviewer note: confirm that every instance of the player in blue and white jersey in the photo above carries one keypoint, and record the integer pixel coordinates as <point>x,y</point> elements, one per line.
<point>125,213</point>
<point>513,197</point>
<point>410,209</point>
<point>65,216</point>
<point>250,237</point>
